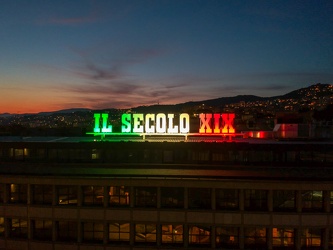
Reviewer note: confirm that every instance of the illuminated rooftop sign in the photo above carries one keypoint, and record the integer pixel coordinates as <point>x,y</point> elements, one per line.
<point>162,124</point>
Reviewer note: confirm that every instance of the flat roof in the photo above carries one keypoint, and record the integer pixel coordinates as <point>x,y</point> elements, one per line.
<point>162,138</point>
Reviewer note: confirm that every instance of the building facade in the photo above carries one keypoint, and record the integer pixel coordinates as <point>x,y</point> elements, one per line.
<point>73,193</point>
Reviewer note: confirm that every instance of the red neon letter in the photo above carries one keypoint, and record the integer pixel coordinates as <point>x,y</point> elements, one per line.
<point>205,120</point>
<point>217,123</point>
<point>228,120</point>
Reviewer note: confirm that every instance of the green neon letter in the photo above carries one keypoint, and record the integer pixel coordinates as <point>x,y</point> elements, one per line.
<point>106,129</point>
<point>126,123</point>
<point>97,117</point>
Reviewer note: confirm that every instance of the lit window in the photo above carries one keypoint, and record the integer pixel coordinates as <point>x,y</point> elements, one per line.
<point>145,233</point>
<point>119,232</point>
<point>255,237</point>
<point>119,196</point>
<point>311,237</point>
<point>283,237</point>
<point>312,201</point>
<point>2,226</point>
<point>18,193</point>
<point>199,235</point>
<point>227,237</point>
<point>172,234</point>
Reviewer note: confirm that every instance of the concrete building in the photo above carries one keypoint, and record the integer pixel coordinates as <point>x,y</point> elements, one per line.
<point>77,193</point>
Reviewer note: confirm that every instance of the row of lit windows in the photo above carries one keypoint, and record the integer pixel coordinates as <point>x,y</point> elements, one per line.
<point>167,156</point>
<point>168,234</point>
<point>170,197</point>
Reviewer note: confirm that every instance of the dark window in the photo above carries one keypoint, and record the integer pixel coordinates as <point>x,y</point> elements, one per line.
<point>119,196</point>
<point>227,237</point>
<point>2,192</point>
<point>283,200</point>
<point>93,195</point>
<point>119,232</point>
<point>172,234</point>
<point>67,195</point>
<point>18,228</point>
<point>255,200</point>
<point>18,193</point>
<point>330,239</point>
<point>172,197</point>
<point>255,238</point>
<point>145,233</point>
<point>312,201</point>
<point>42,194</point>
<point>283,238</point>
<point>199,235</point>
<point>145,196</point>
<point>67,231</point>
<point>227,199</point>
<point>42,230</point>
<point>199,198</point>
<point>93,232</point>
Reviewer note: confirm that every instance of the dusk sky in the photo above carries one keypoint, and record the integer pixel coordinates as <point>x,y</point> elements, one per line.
<point>120,54</point>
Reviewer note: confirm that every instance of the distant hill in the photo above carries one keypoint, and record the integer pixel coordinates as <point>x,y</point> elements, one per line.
<point>311,92</point>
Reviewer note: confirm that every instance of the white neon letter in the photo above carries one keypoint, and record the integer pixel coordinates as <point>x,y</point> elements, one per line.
<point>184,123</point>
<point>150,118</point>
<point>160,123</point>
<point>137,123</point>
<point>171,128</point>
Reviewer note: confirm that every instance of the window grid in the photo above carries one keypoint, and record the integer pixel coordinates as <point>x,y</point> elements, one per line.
<point>255,200</point>
<point>145,233</point>
<point>42,194</point>
<point>119,232</point>
<point>67,231</point>
<point>67,195</point>
<point>199,235</point>
<point>93,195</point>
<point>312,201</point>
<point>42,230</point>
<point>145,196</point>
<point>19,228</point>
<point>227,237</point>
<point>227,199</point>
<point>119,196</point>
<point>18,193</point>
<point>93,232</point>
<point>172,234</point>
